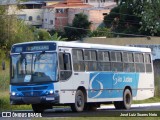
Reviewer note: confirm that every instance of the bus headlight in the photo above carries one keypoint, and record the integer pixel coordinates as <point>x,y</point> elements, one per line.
<point>13,93</point>
<point>51,91</point>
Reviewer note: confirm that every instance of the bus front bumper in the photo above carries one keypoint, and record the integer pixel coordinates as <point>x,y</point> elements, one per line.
<point>15,100</point>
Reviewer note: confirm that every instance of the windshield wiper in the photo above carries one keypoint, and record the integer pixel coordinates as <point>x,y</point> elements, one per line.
<point>38,56</point>
<point>22,57</point>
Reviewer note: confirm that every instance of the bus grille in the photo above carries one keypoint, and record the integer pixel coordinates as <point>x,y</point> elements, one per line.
<point>32,93</point>
<point>32,88</point>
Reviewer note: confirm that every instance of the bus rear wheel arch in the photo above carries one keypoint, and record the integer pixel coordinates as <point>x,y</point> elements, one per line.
<point>127,100</point>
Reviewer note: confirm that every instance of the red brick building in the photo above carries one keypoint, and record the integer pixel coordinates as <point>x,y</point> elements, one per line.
<point>63,13</point>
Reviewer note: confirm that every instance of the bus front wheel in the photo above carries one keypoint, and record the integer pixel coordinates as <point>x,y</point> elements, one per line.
<point>78,106</point>
<point>38,108</point>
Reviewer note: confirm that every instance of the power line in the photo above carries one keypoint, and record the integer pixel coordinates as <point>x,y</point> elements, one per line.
<point>116,33</point>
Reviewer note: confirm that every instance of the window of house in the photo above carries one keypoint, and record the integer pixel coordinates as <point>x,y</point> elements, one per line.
<point>38,17</point>
<point>51,22</point>
<point>60,10</point>
<point>30,18</point>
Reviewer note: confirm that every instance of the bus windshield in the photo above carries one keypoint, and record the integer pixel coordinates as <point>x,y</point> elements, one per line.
<point>33,67</point>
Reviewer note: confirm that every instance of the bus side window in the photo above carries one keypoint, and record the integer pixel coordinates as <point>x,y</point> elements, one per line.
<point>90,59</point>
<point>78,63</point>
<point>139,62</point>
<point>116,60</point>
<point>128,62</point>
<point>148,65</point>
<point>65,66</point>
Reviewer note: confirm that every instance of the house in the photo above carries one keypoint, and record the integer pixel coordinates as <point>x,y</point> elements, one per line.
<point>58,15</point>
<point>30,11</point>
<point>100,3</point>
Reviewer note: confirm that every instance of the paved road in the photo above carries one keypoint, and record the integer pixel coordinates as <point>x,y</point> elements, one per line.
<point>105,110</point>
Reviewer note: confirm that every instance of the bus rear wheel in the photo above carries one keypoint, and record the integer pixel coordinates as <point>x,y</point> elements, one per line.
<point>127,101</point>
<point>38,108</point>
<point>78,106</point>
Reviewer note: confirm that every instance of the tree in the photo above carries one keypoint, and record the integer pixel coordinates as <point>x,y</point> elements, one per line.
<point>122,19</point>
<point>101,32</point>
<point>42,34</point>
<point>12,30</point>
<point>150,17</point>
<point>79,28</point>
<point>57,38</point>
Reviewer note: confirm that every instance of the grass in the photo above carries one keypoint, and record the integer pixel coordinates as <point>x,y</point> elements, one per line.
<point>5,103</point>
<point>150,100</point>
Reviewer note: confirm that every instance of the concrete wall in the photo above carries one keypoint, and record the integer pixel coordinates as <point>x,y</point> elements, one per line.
<point>48,15</point>
<point>94,15</point>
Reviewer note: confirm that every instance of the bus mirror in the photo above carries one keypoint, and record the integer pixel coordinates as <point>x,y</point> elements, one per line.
<point>3,65</point>
<point>66,58</point>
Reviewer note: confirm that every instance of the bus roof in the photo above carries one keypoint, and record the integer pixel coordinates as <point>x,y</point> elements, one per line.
<point>93,46</point>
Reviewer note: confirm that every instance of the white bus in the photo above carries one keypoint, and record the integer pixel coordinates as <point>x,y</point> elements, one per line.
<point>84,76</point>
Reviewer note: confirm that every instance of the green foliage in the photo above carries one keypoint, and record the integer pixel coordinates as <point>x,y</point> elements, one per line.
<point>57,38</point>
<point>12,30</point>
<point>79,28</point>
<point>42,34</point>
<point>101,32</point>
<point>122,19</point>
<point>57,35</point>
<point>150,12</point>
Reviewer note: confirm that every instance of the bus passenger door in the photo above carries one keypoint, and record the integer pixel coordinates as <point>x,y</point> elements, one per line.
<point>65,72</point>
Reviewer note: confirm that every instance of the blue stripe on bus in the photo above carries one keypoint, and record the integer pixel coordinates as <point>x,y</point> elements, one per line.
<point>32,90</point>
<point>111,85</point>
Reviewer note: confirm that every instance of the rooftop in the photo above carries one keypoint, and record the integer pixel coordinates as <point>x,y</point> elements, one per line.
<point>70,4</point>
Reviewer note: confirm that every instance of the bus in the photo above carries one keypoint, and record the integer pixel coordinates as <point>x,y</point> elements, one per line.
<point>45,74</point>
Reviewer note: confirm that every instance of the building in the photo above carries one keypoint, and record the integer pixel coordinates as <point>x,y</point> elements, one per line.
<point>58,15</point>
<point>100,3</point>
<point>55,14</point>
<point>31,11</point>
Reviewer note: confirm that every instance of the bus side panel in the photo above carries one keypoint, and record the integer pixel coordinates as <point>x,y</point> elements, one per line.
<point>110,86</point>
<point>100,85</point>
<point>122,80</point>
<point>66,92</point>
<point>145,86</point>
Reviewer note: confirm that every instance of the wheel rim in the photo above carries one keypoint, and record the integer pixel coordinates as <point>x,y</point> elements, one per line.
<point>128,99</point>
<point>79,101</point>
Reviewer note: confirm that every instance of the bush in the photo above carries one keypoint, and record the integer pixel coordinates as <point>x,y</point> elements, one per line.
<point>101,32</point>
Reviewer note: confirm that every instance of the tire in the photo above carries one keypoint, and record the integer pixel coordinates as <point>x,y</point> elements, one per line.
<point>38,108</point>
<point>118,104</point>
<point>91,106</point>
<point>127,101</point>
<point>78,106</point>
